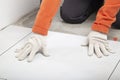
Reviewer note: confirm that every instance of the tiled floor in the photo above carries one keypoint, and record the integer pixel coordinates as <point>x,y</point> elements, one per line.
<point>11,36</point>
<point>68,60</point>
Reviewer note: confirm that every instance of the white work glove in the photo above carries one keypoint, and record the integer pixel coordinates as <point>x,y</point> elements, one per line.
<point>36,43</point>
<point>97,44</point>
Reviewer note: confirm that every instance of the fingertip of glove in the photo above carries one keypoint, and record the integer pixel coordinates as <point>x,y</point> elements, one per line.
<point>113,52</point>
<point>90,54</point>
<point>106,54</point>
<point>17,56</point>
<point>29,60</point>
<point>47,55</point>
<point>20,59</point>
<point>83,45</point>
<point>99,56</point>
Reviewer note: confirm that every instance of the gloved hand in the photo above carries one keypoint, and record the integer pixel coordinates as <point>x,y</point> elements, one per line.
<point>98,44</point>
<point>36,43</point>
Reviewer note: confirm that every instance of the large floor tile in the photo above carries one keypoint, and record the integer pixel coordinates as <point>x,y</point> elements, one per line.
<point>68,61</point>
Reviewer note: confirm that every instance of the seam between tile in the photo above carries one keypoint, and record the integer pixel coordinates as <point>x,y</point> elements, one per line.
<point>4,27</point>
<point>114,69</point>
<point>15,44</point>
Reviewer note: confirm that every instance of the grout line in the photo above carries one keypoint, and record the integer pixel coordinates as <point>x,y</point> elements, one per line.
<point>15,44</point>
<point>113,70</point>
<point>3,28</point>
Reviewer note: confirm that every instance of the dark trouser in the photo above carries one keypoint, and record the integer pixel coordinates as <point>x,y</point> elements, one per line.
<point>77,11</point>
<point>116,24</point>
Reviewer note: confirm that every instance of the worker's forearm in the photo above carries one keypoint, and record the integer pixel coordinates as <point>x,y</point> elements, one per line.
<point>106,16</point>
<point>45,15</point>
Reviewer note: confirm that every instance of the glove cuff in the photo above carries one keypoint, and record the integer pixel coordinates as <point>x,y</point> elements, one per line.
<point>98,35</point>
<point>40,38</point>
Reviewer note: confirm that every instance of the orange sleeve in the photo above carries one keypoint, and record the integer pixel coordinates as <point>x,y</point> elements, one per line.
<point>106,16</point>
<point>45,15</point>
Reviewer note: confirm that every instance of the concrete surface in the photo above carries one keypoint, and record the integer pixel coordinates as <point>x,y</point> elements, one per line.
<point>58,25</point>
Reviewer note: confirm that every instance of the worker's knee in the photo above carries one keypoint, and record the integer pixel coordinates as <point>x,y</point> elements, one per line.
<point>79,10</point>
<point>70,18</point>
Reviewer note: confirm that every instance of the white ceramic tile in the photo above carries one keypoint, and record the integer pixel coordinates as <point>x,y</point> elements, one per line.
<point>116,74</point>
<point>68,61</point>
<point>11,35</point>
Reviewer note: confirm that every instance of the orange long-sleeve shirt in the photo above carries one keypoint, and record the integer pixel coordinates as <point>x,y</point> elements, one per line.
<point>45,15</point>
<point>105,17</point>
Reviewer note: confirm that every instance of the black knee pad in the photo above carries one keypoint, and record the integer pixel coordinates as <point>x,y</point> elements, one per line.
<point>77,11</point>
<point>116,24</point>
